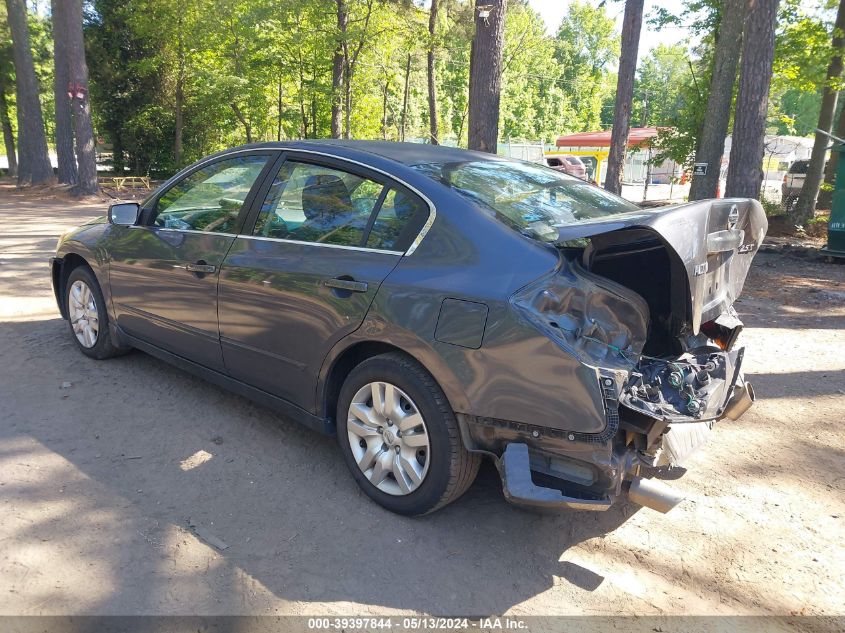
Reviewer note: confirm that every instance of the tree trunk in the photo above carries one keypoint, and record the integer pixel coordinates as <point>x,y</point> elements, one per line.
<point>485,75</point>
<point>384,94</point>
<point>434,132</point>
<point>302,112</point>
<point>711,144</point>
<point>66,172</point>
<point>117,154</point>
<point>745,170</point>
<point>179,104</point>
<point>86,156</point>
<point>631,26</point>
<point>825,197</point>
<point>178,122</point>
<point>8,135</point>
<point>338,70</point>
<point>279,105</point>
<point>347,99</point>
<point>805,207</point>
<point>406,98</point>
<point>350,63</point>
<point>243,120</point>
<point>33,160</point>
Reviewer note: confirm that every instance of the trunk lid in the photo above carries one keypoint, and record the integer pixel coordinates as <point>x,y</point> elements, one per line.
<point>713,240</point>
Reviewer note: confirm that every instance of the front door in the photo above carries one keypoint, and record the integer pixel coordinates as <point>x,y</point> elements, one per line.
<point>324,239</point>
<point>163,273</point>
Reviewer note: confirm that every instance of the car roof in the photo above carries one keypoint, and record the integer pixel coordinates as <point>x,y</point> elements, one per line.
<point>405,153</point>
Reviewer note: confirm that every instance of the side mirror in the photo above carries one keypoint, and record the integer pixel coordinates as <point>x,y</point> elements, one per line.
<point>124,213</point>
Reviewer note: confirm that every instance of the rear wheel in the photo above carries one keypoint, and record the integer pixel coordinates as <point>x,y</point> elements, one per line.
<point>790,202</point>
<point>87,315</point>
<point>400,438</point>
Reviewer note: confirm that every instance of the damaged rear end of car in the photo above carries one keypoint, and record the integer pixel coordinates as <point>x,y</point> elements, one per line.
<point>643,301</point>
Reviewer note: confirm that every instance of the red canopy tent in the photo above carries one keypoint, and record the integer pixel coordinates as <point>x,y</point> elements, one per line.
<point>636,136</point>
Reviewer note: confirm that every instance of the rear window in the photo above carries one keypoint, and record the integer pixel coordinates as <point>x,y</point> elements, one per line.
<point>799,167</point>
<point>532,199</point>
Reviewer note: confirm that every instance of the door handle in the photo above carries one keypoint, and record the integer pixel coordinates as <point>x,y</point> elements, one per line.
<point>346,284</point>
<point>200,268</point>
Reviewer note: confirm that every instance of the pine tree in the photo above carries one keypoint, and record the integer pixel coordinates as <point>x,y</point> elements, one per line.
<point>33,160</point>
<point>485,75</point>
<point>631,26</point>
<point>434,132</point>
<point>65,157</point>
<point>711,144</point>
<point>804,208</point>
<point>745,171</point>
<point>86,156</point>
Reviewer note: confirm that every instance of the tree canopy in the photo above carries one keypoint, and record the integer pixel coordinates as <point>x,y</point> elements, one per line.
<point>171,81</point>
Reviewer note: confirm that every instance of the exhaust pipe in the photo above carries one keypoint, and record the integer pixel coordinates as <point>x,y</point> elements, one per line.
<point>741,401</point>
<point>653,494</point>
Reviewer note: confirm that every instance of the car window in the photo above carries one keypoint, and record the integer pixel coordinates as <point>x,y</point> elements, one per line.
<point>531,199</point>
<point>210,198</point>
<point>314,203</point>
<point>400,218</point>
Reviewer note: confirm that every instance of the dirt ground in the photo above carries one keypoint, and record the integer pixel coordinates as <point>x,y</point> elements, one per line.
<point>130,487</point>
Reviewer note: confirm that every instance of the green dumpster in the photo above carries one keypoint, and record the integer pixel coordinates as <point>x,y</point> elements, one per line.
<point>836,227</point>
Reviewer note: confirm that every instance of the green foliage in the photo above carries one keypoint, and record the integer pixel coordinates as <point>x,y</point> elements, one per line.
<point>802,53</point>
<point>772,208</point>
<point>658,90</point>
<point>7,68</point>
<point>262,70</point>
<point>687,103</point>
<point>42,55</point>
<point>587,45</point>
<point>534,104</point>
<point>701,17</point>
<point>126,87</point>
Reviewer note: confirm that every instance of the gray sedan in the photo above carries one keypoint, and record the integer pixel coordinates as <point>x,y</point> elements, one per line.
<point>431,306</point>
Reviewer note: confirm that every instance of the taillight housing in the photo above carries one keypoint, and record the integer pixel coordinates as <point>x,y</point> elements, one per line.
<point>719,334</point>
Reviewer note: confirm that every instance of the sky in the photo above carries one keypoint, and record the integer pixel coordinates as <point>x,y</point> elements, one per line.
<point>552,12</point>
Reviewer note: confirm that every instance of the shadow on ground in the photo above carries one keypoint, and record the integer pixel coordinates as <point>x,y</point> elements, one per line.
<point>277,495</point>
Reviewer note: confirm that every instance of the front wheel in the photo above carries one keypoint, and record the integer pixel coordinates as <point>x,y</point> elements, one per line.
<point>87,316</point>
<point>400,438</point>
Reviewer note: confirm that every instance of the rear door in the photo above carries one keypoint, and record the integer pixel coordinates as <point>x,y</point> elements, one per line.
<point>163,272</point>
<point>306,268</point>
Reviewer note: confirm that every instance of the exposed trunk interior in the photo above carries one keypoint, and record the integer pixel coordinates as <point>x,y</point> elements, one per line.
<point>639,260</point>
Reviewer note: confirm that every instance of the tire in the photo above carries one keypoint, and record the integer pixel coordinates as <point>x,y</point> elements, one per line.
<point>79,284</point>
<point>445,468</point>
<point>789,204</point>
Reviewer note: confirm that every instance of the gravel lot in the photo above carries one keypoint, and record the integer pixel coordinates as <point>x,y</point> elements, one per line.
<point>129,487</point>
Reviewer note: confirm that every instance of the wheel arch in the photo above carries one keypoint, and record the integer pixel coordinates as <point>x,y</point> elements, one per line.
<point>343,358</point>
<point>61,270</point>
<point>65,262</point>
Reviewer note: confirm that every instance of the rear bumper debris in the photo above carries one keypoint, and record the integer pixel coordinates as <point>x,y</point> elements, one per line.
<point>515,469</point>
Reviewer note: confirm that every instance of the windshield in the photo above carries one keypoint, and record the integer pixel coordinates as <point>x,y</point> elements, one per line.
<point>530,198</point>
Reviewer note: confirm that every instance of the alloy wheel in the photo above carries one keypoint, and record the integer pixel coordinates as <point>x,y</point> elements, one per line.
<point>84,317</point>
<point>388,438</point>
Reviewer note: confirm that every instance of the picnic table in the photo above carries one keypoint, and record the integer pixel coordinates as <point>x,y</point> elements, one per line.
<point>119,182</point>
